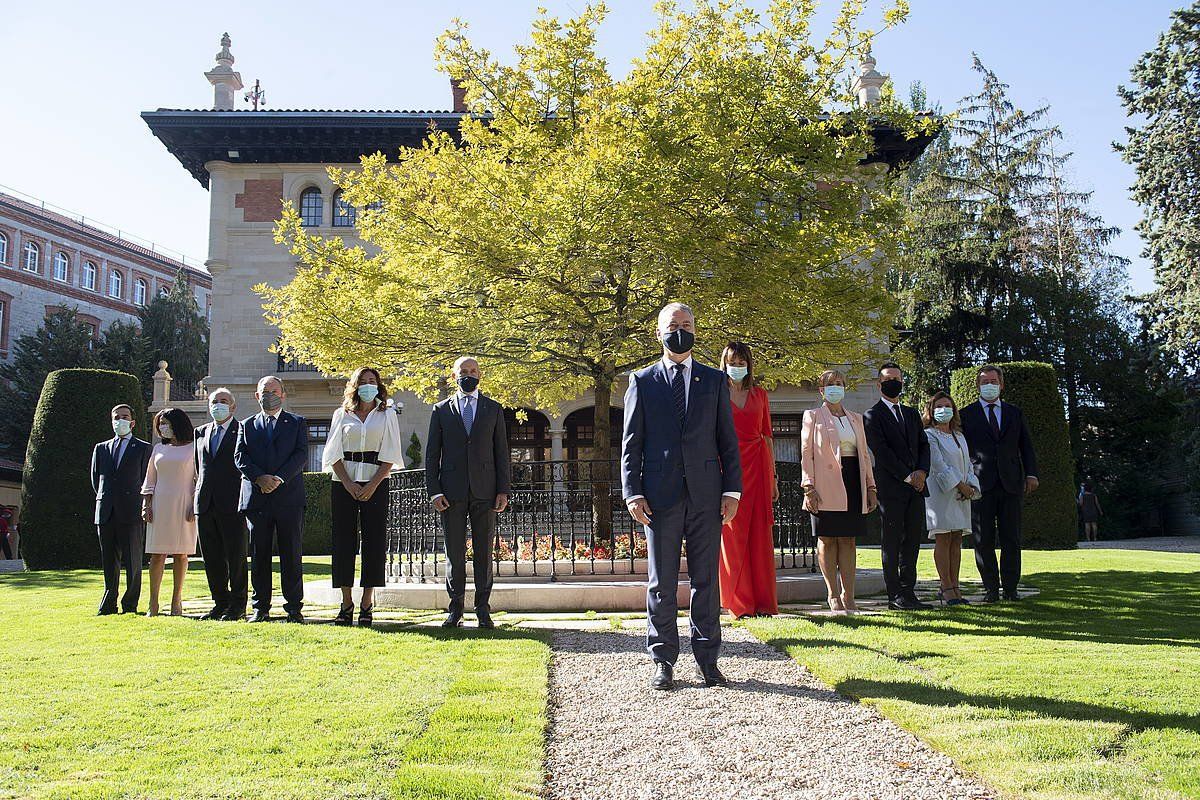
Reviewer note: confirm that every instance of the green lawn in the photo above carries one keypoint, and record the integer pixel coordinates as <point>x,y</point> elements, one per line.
<point>1092,689</point>
<point>124,706</point>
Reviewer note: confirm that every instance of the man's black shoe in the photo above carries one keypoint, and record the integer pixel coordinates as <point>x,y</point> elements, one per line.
<point>261,616</point>
<point>916,603</point>
<point>907,604</point>
<point>485,620</point>
<point>104,612</point>
<point>711,675</point>
<point>991,597</point>
<point>1013,596</point>
<point>295,617</point>
<point>453,620</point>
<point>233,615</point>
<point>216,612</point>
<point>664,677</point>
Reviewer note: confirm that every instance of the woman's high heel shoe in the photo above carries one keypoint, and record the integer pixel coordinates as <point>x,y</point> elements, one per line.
<point>960,600</point>
<point>835,603</point>
<point>365,617</point>
<point>152,611</point>
<point>345,615</point>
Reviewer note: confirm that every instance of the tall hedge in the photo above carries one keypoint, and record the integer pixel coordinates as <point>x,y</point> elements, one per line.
<point>57,501</point>
<point>1049,518</point>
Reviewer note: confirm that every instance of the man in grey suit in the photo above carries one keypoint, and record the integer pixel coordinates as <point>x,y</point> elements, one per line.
<point>467,474</point>
<point>681,477</point>
<point>118,469</point>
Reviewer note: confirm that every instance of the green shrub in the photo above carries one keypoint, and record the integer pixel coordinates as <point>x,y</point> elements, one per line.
<point>57,501</point>
<point>318,519</point>
<point>1049,518</point>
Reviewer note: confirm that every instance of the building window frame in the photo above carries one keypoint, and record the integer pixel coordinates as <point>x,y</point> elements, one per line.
<point>312,207</point>
<point>140,288</point>
<point>31,260</point>
<point>90,273</point>
<point>3,248</point>
<point>116,284</point>
<point>345,215</point>
<point>5,318</point>
<point>62,262</point>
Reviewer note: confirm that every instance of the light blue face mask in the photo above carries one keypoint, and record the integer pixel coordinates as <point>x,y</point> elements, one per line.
<point>834,394</point>
<point>736,372</point>
<point>943,414</point>
<point>219,411</point>
<point>368,392</point>
<point>989,391</point>
<point>122,427</point>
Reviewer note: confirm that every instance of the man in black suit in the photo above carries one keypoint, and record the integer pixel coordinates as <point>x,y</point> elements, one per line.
<point>467,474</point>
<point>271,452</point>
<point>118,469</point>
<point>897,441</point>
<point>1003,458</point>
<point>222,527</point>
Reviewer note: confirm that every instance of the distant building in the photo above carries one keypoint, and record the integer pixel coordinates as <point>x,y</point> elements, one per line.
<point>50,259</point>
<point>251,161</point>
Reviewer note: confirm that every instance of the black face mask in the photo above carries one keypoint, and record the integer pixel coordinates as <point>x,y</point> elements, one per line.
<point>679,341</point>
<point>468,383</point>
<point>892,387</point>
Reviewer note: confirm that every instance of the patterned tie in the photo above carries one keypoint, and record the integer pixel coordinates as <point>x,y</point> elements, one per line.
<point>679,389</point>
<point>992,418</point>
<point>468,413</point>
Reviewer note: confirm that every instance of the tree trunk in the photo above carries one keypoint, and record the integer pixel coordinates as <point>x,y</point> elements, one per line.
<point>603,477</point>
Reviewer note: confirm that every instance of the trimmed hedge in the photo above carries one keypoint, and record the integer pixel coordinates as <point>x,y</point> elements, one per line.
<point>318,518</point>
<point>57,501</point>
<point>1049,518</point>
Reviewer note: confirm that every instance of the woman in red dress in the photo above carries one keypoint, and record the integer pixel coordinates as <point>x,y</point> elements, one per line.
<point>747,543</point>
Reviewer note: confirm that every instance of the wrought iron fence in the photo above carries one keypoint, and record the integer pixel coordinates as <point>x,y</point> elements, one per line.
<point>564,518</point>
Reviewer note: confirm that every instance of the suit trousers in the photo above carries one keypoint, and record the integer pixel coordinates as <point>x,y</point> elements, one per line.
<point>223,544</point>
<point>483,530</point>
<point>902,515</point>
<point>286,528</point>
<point>354,518</point>
<point>121,543</point>
<point>669,528</point>
<point>997,515</point>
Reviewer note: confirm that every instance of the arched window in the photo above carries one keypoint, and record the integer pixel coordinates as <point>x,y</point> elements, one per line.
<point>3,249</point>
<point>312,207</point>
<point>344,214</point>
<point>33,255</point>
<point>89,275</point>
<point>115,284</point>
<point>62,266</point>
<point>139,292</point>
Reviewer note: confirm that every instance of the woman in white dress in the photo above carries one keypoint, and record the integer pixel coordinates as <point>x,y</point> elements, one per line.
<point>363,445</point>
<point>952,486</point>
<point>167,504</point>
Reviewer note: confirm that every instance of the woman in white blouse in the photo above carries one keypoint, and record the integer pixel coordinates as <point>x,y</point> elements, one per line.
<point>363,444</point>
<point>952,486</point>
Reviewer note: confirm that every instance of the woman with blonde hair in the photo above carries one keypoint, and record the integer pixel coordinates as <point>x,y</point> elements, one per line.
<point>839,485</point>
<point>363,444</point>
<point>952,486</point>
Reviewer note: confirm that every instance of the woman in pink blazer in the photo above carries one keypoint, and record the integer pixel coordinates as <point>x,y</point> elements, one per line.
<point>839,485</point>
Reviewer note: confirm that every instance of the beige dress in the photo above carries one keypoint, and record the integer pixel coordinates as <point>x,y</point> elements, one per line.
<point>171,478</point>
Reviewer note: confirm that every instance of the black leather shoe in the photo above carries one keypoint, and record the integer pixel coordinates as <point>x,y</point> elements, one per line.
<point>216,612</point>
<point>261,616</point>
<point>485,620</point>
<point>916,603</point>
<point>711,675</point>
<point>104,612</point>
<point>907,604</point>
<point>452,620</point>
<point>233,615</point>
<point>664,677</point>
<point>991,597</point>
<point>1013,596</point>
<point>295,617</point>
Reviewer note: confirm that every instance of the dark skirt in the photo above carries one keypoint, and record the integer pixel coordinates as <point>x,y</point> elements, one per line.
<point>851,522</point>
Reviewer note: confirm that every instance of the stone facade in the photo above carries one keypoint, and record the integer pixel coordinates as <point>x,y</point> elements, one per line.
<point>73,265</point>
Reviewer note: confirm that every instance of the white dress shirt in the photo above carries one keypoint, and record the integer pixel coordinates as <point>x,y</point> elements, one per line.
<point>122,445</point>
<point>380,433</point>
<point>893,408</point>
<point>987,416</point>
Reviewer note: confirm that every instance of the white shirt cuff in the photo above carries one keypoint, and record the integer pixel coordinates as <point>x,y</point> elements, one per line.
<point>629,500</point>
<point>734,495</point>
<point>435,497</point>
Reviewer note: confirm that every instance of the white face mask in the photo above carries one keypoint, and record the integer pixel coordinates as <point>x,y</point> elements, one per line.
<point>989,391</point>
<point>122,427</point>
<point>943,414</point>
<point>164,431</point>
<point>219,411</point>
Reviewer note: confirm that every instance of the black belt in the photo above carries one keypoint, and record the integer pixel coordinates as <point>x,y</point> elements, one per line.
<point>365,457</point>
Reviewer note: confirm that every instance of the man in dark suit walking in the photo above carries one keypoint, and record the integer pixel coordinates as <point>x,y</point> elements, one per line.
<point>901,451</point>
<point>222,527</point>
<point>467,473</point>
<point>271,451</point>
<point>681,477</point>
<point>118,469</point>
<point>1003,458</point>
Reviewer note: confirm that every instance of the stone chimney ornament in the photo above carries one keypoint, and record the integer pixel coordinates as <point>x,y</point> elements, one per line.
<point>226,83</point>
<point>870,81</point>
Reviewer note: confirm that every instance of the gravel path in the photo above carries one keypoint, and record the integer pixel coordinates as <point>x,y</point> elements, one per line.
<point>1164,544</point>
<point>776,732</point>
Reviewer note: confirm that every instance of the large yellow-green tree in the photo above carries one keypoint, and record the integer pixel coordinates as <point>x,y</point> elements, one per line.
<point>724,170</point>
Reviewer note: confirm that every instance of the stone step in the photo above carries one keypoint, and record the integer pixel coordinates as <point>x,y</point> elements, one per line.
<point>12,565</point>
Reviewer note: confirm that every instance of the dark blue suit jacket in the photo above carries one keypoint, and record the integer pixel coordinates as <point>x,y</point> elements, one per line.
<point>284,456</point>
<point>119,489</point>
<point>658,451</point>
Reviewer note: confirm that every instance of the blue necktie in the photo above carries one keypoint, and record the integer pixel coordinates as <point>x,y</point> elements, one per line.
<point>679,389</point>
<point>270,429</point>
<point>468,413</point>
<point>215,444</point>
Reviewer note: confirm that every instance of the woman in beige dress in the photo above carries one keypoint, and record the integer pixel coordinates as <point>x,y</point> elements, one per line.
<point>167,504</point>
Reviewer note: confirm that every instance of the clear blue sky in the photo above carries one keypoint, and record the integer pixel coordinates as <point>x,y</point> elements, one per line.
<point>80,72</point>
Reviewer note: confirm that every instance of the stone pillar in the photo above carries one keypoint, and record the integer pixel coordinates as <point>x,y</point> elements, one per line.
<point>226,83</point>
<point>557,435</point>
<point>870,82</point>
<point>162,387</point>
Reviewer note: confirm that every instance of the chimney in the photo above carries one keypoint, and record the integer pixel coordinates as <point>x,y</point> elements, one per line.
<point>869,82</point>
<point>226,83</point>
<point>459,94</point>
